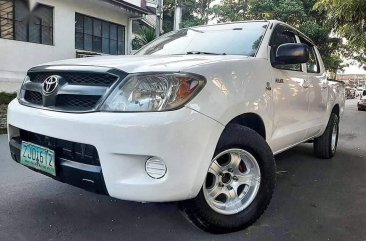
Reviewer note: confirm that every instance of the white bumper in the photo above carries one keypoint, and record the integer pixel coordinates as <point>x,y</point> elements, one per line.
<point>184,139</point>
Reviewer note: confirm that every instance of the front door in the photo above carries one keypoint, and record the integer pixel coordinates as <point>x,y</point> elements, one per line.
<point>317,92</point>
<point>289,96</point>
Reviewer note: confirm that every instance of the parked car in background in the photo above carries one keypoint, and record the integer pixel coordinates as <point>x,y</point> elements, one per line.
<point>363,94</point>
<point>361,105</point>
<point>360,91</point>
<point>357,93</point>
<point>195,116</point>
<point>350,93</point>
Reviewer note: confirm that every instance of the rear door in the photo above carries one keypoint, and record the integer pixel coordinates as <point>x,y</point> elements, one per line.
<point>317,91</point>
<point>289,95</point>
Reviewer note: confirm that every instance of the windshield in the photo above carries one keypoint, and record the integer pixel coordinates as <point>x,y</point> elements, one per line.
<point>231,39</point>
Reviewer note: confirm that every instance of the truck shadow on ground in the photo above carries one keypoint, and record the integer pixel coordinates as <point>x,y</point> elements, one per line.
<point>78,215</point>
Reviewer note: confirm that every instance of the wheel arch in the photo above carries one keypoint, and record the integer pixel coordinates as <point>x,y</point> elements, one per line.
<point>252,121</point>
<point>336,110</point>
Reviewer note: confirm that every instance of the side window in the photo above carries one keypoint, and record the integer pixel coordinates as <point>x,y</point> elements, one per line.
<point>281,36</point>
<point>312,65</point>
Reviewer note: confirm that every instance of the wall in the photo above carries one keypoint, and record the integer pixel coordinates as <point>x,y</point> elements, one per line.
<point>134,2</point>
<point>17,57</point>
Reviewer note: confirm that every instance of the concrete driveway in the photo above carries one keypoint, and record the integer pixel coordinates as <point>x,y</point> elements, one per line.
<point>314,200</point>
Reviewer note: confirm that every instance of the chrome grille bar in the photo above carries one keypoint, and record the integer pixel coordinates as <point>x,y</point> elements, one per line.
<point>76,90</point>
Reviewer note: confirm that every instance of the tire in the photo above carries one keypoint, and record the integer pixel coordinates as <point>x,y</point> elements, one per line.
<point>325,146</point>
<point>256,198</point>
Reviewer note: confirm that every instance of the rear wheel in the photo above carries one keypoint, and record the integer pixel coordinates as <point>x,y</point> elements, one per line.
<point>325,146</point>
<point>239,183</point>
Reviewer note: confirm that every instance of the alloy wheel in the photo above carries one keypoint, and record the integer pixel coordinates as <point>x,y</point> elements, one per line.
<point>232,182</point>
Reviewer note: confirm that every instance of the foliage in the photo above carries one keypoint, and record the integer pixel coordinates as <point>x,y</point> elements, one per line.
<point>349,20</point>
<point>318,19</point>
<point>298,13</point>
<point>143,36</point>
<point>5,98</point>
<point>193,13</point>
<point>230,11</point>
<point>331,48</point>
<point>202,8</point>
<point>289,11</point>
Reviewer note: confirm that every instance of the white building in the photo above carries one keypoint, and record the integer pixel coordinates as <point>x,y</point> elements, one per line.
<point>61,29</point>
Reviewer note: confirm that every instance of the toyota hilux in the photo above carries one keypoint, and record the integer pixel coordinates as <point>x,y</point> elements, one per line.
<point>195,116</point>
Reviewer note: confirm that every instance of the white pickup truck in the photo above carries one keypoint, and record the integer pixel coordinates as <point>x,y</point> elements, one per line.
<point>195,116</point>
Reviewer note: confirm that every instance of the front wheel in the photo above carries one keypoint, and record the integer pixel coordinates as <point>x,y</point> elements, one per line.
<point>239,183</point>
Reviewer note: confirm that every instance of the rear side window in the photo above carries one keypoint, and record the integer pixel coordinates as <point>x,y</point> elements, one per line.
<point>312,65</point>
<point>282,36</point>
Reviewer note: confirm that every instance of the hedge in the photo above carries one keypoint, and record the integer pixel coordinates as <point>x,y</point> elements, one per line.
<point>5,99</point>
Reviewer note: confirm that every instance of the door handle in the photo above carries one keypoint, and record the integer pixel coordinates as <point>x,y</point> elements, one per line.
<point>306,84</point>
<point>268,86</point>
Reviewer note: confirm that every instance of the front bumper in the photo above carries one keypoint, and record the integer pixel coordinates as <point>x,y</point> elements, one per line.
<point>184,139</point>
<point>76,163</point>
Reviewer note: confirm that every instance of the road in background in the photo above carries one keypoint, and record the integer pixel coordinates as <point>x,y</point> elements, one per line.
<point>314,200</point>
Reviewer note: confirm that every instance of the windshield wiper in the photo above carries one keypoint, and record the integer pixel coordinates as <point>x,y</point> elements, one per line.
<point>201,52</point>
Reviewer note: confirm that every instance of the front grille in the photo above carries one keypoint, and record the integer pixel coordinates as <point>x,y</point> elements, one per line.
<point>77,78</point>
<point>77,101</point>
<point>38,77</point>
<point>73,151</point>
<point>33,97</point>
<point>78,88</point>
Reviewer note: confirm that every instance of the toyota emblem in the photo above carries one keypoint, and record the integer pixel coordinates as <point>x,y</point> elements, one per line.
<point>50,84</point>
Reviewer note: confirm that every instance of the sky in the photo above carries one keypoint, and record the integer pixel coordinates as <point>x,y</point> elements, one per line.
<point>354,69</point>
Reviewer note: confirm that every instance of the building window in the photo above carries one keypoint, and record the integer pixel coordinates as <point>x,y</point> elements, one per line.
<point>96,35</point>
<point>18,23</point>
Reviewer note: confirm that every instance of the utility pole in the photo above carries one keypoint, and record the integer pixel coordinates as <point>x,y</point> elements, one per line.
<point>159,15</point>
<point>177,16</point>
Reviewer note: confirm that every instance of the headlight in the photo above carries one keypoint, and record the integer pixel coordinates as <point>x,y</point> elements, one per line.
<point>153,92</point>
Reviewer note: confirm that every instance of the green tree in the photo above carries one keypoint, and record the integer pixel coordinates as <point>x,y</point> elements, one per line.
<point>230,11</point>
<point>312,22</point>
<point>194,12</point>
<point>298,13</point>
<point>289,11</point>
<point>202,9</point>
<point>349,20</point>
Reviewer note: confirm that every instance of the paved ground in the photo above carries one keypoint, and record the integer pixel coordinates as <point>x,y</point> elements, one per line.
<point>314,200</point>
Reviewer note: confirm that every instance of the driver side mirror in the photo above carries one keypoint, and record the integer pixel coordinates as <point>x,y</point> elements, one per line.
<point>292,53</point>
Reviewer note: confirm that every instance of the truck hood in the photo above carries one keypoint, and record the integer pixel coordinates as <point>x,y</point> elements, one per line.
<point>147,63</point>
